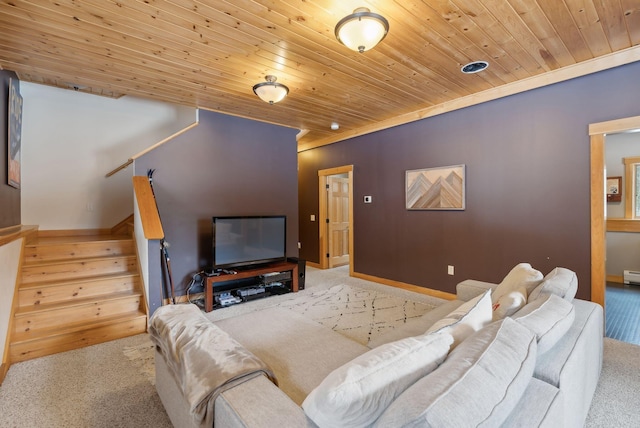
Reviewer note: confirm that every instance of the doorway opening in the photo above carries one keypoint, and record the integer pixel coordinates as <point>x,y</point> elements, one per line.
<point>619,301</point>
<point>598,133</point>
<point>336,217</point>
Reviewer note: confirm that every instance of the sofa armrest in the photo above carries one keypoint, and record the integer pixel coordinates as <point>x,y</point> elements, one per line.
<point>258,403</point>
<point>470,288</point>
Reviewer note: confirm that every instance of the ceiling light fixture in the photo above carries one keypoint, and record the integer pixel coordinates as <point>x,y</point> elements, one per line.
<point>270,91</point>
<point>474,67</point>
<point>361,30</point>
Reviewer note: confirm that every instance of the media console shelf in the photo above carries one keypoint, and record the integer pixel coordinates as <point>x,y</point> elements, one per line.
<point>249,273</point>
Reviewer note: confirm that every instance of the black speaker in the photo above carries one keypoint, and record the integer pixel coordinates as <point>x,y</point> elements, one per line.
<point>301,270</point>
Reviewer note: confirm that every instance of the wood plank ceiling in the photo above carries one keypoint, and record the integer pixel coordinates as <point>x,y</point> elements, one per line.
<point>210,53</point>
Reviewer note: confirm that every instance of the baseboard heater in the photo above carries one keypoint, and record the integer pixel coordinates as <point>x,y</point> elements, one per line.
<point>632,277</point>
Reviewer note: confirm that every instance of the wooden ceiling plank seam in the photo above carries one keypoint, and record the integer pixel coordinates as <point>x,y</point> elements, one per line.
<point>631,10</point>
<point>504,13</point>
<point>479,44</point>
<point>613,23</point>
<point>566,28</point>
<point>588,23</point>
<point>513,57</point>
<point>108,63</point>
<point>553,51</point>
<point>451,39</point>
<point>428,41</point>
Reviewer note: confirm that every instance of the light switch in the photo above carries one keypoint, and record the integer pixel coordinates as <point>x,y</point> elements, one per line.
<point>313,217</point>
<point>367,199</point>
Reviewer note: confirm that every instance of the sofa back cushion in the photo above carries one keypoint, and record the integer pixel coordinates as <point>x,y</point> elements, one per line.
<point>549,317</point>
<point>356,393</point>
<point>560,281</point>
<point>479,383</point>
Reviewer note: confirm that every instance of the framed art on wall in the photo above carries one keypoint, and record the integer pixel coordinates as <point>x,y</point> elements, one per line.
<point>441,188</point>
<point>614,189</point>
<point>15,134</point>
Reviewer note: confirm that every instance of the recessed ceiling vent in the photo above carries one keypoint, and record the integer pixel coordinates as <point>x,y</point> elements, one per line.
<point>474,67</point>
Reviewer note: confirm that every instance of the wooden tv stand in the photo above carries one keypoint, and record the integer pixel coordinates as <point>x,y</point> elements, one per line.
<point>249,273</point>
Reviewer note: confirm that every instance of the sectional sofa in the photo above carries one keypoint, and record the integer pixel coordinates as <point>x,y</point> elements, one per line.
<point>520,353</point>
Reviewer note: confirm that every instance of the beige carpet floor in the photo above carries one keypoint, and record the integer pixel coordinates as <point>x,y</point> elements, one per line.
<point>111,384</point>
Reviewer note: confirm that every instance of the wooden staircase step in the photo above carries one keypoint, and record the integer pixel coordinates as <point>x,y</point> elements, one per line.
<point>37,318</point>
<point>43,252</point>
<point>80,268</point>
<point>77,288</point>
<point>48,342</point>
<point>74,290</point>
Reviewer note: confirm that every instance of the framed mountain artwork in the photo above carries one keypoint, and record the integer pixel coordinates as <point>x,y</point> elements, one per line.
<point>441,188</point>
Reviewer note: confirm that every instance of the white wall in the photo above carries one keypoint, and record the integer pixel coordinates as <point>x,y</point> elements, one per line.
<point>9,262</point>
<point>70,140</point>
<point>623,249</point>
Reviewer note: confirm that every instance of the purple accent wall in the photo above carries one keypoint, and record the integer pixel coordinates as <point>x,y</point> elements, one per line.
<point>224,166</point>
<point>528,185</point>
<point>9,196</point>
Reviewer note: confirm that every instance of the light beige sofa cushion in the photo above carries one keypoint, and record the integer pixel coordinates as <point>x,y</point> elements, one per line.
<point>549,317</point>
<point>355,394</point>
<point>488,373</point>
<point>300,351</point>
<point>560,281</point>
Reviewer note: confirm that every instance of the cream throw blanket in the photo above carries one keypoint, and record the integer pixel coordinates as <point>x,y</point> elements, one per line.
<point>204,359</point>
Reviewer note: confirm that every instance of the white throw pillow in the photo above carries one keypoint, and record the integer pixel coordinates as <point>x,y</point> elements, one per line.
<point>467,319</point>
<point>357,393</point>
<point>509,304</point>
<point>522,275</point>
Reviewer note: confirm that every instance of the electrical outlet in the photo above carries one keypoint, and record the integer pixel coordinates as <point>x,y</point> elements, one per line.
<point>299,245</point>
<point>368,199</point>
<point>450,270</point>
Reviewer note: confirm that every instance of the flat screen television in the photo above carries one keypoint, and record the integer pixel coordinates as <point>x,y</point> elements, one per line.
<point>248,240</point>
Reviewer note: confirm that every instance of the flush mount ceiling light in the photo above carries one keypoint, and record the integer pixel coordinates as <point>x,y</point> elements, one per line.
<point>270,91</point>
<point>361,30</point>
<point>474,67</point>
